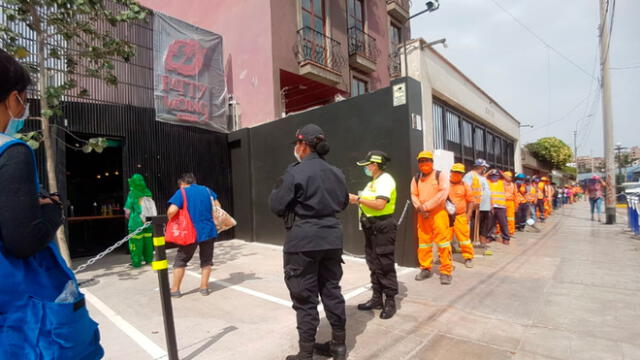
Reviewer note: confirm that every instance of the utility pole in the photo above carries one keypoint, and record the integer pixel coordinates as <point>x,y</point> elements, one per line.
<point>575,147</point>
<point>607,117</point>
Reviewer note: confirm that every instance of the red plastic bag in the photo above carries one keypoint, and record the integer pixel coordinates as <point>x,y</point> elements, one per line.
<point>180,229</point>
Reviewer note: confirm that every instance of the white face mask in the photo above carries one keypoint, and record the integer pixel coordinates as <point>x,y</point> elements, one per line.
<point>295,154</point>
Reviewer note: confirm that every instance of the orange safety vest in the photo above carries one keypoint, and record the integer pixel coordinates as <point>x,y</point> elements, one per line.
<point>510,191</point>
<point>532,194</point>
<point>521,195</point>
<point>541,190</point>
<point>476,187</point>
<point>498,196</point>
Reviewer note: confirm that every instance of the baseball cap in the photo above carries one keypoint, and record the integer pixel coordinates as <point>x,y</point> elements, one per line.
<point>508,173</point>
<point>458,167</point>
<point>309,133</point>
<point>425,155</point>
<point>481,162</point>
<point>374,156</point>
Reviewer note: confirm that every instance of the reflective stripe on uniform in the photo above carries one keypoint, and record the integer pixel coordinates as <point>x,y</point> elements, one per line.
<point>468,242</point>
<point>158,241</point>
<point>444,245</point>
<point>422,246</point>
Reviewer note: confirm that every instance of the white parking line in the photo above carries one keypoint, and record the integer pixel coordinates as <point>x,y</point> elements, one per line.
<point>145,343</point>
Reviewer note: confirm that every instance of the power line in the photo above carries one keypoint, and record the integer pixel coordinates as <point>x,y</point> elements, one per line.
<point>559,119</point>
<point>613,12</point>
<point>541,39</point>
<point>625,67</point>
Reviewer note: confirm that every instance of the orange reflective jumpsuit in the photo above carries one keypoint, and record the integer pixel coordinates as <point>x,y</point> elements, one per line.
<point>462,196</point>
<point>429,196</point>
<point>548,201</point>
<point>510,195</point>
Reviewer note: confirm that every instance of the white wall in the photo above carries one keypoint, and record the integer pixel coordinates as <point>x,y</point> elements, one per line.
<point>441,79</point>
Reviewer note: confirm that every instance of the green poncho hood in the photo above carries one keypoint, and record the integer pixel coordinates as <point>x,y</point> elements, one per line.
<point>138,188</point>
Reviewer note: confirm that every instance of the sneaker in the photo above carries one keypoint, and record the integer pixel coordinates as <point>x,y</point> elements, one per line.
<point>176,294</point>
<point>445,279</point>
<point>468,263</point>
<point>423,274</point>
<point>205,292</point>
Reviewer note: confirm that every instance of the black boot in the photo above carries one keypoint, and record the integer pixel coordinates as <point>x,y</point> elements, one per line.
<point>374,303</point>
<point>389,308</point>
<point>306,352</point>
<point>336,348</point>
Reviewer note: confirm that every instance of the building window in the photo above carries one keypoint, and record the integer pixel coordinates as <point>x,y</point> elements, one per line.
<point>355,14</point>
<point>467,133</point>
<point>453,127</point>
<point>438,129</point>
<point>479,135</point>
<point>358,86</point>
<point>313,15</point>
<point>395,37</point>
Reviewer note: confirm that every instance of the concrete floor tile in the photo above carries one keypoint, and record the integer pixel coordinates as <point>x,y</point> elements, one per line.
<point>442,347</point>
<point>547,342</point>
<point>584,348</point>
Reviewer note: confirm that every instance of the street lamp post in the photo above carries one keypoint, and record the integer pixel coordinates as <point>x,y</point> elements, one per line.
<point>431,7</point>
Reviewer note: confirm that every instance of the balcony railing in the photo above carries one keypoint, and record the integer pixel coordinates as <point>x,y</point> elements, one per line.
<point>363,44</point>
<point>315,47</point>
<point>395,65</point>
<point>404,4</point>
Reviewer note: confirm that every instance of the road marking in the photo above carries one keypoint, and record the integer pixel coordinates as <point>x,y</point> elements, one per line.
<point>145,343</point>
<point>247,291</point>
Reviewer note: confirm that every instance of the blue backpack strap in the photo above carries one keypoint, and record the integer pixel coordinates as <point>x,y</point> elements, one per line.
<point>7,141</point>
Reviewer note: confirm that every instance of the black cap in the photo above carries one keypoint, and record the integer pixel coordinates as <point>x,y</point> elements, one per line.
<point>374,156</point>
<point>309,133</point>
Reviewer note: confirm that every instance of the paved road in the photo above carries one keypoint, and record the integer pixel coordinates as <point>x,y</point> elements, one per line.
<point>568,292</point>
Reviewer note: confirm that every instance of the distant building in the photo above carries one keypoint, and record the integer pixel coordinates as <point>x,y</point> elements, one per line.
<point>588,163</point>
<point>634,152</point>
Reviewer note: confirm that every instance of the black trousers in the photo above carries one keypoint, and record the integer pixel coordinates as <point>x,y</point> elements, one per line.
<point>307,275</point>
<point>522,215</point>
<point>540,207</point>
<point>380,245</point>
<point>499,216</point>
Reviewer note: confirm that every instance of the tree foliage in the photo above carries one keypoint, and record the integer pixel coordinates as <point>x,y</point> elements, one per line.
<point>72,37</point>
<point>551,150</point>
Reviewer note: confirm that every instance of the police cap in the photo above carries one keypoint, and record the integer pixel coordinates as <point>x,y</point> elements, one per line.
<point>374,156</point>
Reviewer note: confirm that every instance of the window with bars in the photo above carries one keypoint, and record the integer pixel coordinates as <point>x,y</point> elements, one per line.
<point>467,133</point>
<point>438,129</point>
<point>479,139</point>
<point>490,147</point>
<point>453,127</point>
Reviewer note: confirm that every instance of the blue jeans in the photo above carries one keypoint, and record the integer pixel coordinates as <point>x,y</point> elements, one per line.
<point>596,204</point>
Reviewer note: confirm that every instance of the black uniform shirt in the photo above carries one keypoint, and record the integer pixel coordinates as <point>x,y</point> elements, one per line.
<point>315,192</point>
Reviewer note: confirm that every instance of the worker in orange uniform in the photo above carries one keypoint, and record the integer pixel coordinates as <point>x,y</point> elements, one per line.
<point>510,195</point>
<point>522,203</point>
<point>498,213</point>
<point>540,193</point>
<point>429,192</point>
<point>462,197</point>
<point>549,193</point>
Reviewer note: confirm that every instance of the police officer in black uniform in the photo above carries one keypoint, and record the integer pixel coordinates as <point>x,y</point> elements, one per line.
<point>309,196</point>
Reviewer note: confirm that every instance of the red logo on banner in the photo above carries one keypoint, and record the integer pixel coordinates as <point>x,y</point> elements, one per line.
<point>185,57</point>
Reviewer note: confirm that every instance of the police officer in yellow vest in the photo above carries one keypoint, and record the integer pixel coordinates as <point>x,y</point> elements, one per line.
<point>377,204</point>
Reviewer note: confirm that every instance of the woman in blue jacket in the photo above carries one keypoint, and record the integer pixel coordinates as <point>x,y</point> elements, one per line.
<point>42,312</point>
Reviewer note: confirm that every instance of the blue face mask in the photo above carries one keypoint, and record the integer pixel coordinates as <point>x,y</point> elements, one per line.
<point>16,124</point>
<point>368,172</point>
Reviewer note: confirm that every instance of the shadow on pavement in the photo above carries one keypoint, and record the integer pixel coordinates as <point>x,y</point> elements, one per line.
<point>208,342</point>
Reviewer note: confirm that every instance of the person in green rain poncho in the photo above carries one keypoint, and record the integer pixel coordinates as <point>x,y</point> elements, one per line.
<point>139,205</point>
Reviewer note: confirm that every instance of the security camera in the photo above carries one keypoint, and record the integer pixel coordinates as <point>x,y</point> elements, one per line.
<point>432,5</point>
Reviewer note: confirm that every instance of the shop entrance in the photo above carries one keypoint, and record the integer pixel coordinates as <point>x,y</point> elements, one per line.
<point>95,190</point>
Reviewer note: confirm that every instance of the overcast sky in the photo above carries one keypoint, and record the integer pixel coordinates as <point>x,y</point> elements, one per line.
<point>533,83</point>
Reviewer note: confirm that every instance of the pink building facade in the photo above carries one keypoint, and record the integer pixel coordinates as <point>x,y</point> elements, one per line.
<point>284,56</point>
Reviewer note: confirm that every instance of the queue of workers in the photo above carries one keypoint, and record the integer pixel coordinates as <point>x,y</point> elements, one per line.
<point>471,207</point>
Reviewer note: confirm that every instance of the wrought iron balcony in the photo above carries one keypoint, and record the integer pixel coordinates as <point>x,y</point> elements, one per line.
<point>395,65</point>
<point>399,9</point>
<point>319,56</point>
<point>363,51</point>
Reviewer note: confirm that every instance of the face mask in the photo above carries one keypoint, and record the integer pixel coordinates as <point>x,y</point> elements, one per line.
<point>16,124</point>
<point>426,168</point>
<point>456,177</point>
<point>295,154</point>
<point>493,178</point>
<point>368,172</point>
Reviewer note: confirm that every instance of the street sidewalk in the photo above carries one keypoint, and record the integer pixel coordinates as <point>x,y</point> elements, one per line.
<point>568,292</point>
